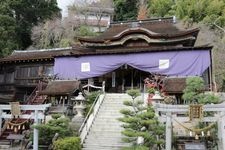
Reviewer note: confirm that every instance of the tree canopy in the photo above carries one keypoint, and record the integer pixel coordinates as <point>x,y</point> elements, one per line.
<point>208,11</point>
<point>17,17</point>
<point>125,10</point>
<point>141,127</point>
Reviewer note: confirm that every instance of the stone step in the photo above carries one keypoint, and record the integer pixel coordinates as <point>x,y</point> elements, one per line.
<point>109,123</point>
<point>106,145</point>
<point>112,113</point>
<point>110,132</point>
<point>107,116</point>
<point>105,133</point>
<point>100,148</point>
<point>104,139</point>
<point>107,130</point>
<point>4,147</point>
<point>103,148</point>
<point>110,116</point>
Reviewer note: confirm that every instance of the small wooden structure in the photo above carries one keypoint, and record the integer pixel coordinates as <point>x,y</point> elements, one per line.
<point>59,93</point>
<point>37,114</point>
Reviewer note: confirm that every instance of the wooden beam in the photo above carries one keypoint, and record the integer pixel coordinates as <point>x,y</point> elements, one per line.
<point>185,108</point>
<point>27,107</point>
<point>187,119</point>
<point>24,116</point>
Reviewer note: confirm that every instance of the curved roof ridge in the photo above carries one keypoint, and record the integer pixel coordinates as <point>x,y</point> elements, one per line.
<point>133,29</point>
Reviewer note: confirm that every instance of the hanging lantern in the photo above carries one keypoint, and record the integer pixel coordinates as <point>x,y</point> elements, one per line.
<point>23,127</point>
<point>19,127</point>
<point>8,126</point>
<point>191,133</point>
<point>15,129</point>
<point>11,127</point>
<point>208,133</point>
<point>196,137</point>
<point>203,134</point>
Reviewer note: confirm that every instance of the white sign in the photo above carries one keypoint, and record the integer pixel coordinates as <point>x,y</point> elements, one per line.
<point>85,67</point>
<point>164,63</point>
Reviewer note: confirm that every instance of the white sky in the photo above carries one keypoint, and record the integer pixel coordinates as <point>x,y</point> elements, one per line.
<point>63,6</point>
<point>64,3</point>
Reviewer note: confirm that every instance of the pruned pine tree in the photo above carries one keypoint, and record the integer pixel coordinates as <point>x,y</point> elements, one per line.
<point>141,123</point>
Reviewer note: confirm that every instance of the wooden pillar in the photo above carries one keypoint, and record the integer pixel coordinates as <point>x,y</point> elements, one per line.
<point>35,140</point>
<point>221,131</point>
<point>132,79</point>
<point>168,131</point>
<point>1,121</point>
<point>63,104</point>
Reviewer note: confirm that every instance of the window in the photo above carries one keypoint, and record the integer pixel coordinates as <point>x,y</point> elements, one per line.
<point>9,78</point>
<point>26,72</point>
<point>48,70</point>
<point>33,72</point>
<point>22,72</point>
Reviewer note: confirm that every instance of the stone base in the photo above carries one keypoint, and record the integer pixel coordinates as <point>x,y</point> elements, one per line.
<point>76,122</point>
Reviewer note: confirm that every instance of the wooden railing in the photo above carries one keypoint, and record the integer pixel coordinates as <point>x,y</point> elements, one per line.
<point>34,94</point>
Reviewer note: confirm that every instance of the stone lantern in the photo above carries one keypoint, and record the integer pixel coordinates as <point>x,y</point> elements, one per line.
<point>157,98</point>
<point>78,109</point>
<point>79,105</point>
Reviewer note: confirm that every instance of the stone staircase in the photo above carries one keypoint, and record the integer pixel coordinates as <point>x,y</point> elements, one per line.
<point>4,145</point>
<point>105,133</point>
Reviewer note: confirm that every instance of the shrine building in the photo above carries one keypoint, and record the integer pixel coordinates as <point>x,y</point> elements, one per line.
<point>123,56</point>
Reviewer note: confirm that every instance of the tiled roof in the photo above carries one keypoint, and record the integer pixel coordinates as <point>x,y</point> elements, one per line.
<point>157,28</point>
<point>19,55</point>
<point>174,85</point>
<point>46,55</point>
<point>61,87</point>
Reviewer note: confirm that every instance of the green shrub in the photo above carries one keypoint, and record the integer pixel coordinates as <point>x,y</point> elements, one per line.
<point>133,93</point>
<point>90,100</point>
<point>194,92</point>
<point>56,116</point>
<point>47,131</point>
<point>69,143</point>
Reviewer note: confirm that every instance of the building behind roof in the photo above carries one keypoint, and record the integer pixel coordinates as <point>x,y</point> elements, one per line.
<point>123,56</point>
<point>95,14</point>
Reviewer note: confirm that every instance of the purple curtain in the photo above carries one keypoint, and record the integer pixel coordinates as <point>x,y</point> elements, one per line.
<point>173,63</point>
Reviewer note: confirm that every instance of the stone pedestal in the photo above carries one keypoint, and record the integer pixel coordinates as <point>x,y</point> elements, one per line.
<point>78,109</point>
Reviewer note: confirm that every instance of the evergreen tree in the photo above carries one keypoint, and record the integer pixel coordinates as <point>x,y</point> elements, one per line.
<point>125,10</point>
<point>141,122</point>
<point>194,92</point>
<point>17,18</point>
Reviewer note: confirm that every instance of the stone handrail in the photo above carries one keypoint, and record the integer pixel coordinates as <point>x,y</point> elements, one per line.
<point>86,125</point>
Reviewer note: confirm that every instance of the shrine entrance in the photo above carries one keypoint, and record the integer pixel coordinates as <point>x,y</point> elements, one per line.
<point>37,114</point>
<point>125,78</point>
<point>171,114</point>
